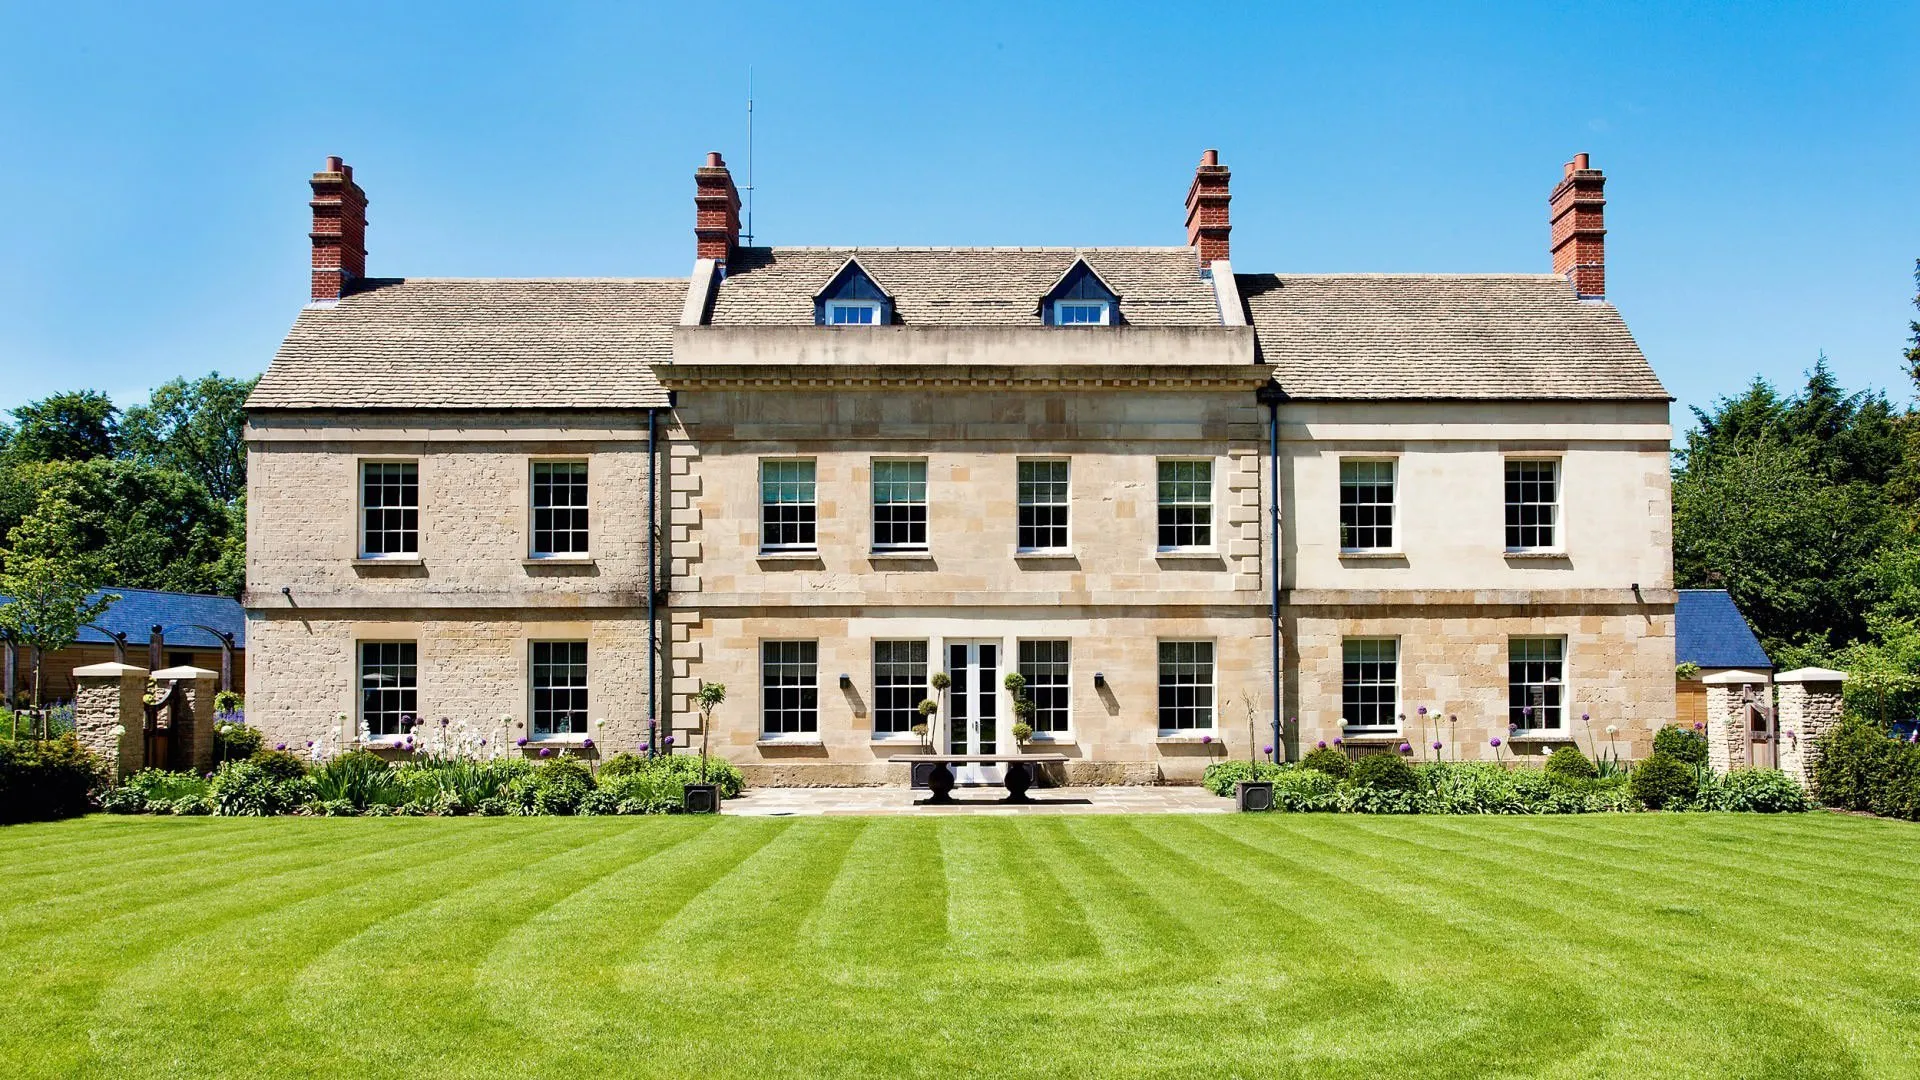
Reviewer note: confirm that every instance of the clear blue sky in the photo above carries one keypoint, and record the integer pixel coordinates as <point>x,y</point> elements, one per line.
<point>1760,157</point>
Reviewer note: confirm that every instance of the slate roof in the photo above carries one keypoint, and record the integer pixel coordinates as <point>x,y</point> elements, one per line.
<point>933,286</point>
<point>463,343</point>
<point>1400,336</point>
<point>138,611</point>
<point>1709,630</point>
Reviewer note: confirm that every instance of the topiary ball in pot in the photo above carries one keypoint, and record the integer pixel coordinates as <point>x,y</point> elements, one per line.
<point>1327,760</point>
<point>1681,744</point>
<point>1568,763</point>
<point>1663,780</point>
<point>1384,772</point>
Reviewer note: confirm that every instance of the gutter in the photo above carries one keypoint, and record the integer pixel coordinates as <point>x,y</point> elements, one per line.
<point>1271,396</point>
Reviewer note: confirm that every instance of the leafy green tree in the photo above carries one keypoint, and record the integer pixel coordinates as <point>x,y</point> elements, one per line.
<point>195,428</point>
<point>142,526</point>
<point>45,583</point>
<point>77,426</point>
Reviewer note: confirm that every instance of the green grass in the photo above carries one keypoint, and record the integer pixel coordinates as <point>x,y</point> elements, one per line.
<point>1278,945</point>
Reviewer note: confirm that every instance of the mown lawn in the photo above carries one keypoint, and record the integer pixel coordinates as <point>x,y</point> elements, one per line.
<point>1647,945</point>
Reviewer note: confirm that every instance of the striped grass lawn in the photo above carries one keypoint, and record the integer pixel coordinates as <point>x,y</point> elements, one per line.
<point>1277,945</point>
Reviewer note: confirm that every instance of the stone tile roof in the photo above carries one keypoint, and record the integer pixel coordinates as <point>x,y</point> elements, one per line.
<point>459,343</point>
<point>934,286</point>
<point>1519,336</point>
<point>1709,630</point>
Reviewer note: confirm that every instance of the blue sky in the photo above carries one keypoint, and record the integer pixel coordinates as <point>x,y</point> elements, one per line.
<point>1760,156</point>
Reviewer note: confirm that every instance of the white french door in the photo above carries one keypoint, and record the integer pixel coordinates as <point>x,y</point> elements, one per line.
<point>973,707</point>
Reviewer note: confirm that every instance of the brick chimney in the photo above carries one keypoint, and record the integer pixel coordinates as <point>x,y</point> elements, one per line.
<point>339,230</point>
<point>1579,232</point>
<point>716,211</point>
<point>1207,226</point>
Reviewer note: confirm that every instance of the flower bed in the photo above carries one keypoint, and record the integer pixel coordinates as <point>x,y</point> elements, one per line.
<point>41,779</point>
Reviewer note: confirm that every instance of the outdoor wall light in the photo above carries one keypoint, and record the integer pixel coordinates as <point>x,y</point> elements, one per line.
<point>1099,678</point>
<point>846,681</point>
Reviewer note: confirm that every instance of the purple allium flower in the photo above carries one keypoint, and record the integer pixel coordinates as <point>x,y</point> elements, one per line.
<point>444,721</point>
<point>520,741</point>
<point>1526,710</point>
<point>1206,739</point>
<point>644,747</point>
<point>1422,710</point>
<point>1268,749</point>
<point>1436,744</point>
<point>587,745</point>
<point>1339,741</point>
<point>309,742</point>
<point>668,742</point>
<point>283,746</point>
<point>546,751</point>
<point>1406,748</point>
<point>483,742</point>
<point>1495,741</point>
<point>1584,718</point>
<point>1453,719</point>
<point>209,776</point>
<point>1321,745</point>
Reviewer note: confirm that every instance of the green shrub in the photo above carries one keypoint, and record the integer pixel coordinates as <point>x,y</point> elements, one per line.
<point>122,800</point>
<point>1299,789</point>
<point>598,802</point>
<point>1663,780</point>
<point>1758,791</point>
<point>45,779</point>
<point>1568,763</point>
<point>654,791</point>
<point>279,764</point>
<point>684,768</point>
<point>1384,772</point>
<point>1681,743</point>
<point>235,741</point>
<point>1222,775</point>
<point>556,786</point>
<point>247,789</point>
<point>1862,768</point>
<point>1328,760</point>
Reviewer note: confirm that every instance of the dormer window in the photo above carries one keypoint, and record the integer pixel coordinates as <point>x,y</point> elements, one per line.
<point>852,298</point>
<point>1081,312</point>
<point>852,312</point>
<point>1080,298</point>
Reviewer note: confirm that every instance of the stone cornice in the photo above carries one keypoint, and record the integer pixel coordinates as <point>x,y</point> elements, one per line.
<point>978,377</point>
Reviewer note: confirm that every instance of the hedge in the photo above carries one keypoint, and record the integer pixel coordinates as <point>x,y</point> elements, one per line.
<point>43,780</point>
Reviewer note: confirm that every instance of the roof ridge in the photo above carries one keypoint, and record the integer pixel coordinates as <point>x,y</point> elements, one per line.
<point>1047,249</point>
<point>531,280</point>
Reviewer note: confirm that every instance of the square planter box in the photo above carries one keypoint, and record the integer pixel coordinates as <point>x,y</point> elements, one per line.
<point>1253,795</point>
<point>701,798</point>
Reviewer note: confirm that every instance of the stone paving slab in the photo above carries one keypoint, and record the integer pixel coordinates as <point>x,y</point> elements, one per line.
<point>802,802</point>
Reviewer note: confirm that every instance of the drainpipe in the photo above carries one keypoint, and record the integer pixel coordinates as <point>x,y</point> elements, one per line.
<point>653,592</point>
<point>1271,396</point>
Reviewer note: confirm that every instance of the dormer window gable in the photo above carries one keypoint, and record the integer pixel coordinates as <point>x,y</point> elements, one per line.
<point>852,298</point>
<point>1080,298</point>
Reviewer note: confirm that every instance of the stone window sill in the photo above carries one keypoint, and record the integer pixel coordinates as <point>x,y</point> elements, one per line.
<point>788,556</point>
<point>1543,555</point>
<point>909,555</point>
<point>1063,553</point>
<point>1380,554</point>
<point>394,560</point>
<point>557,560</point>
<point>1186,740</point>
<point>1198,556</point>
<point>1371,737</point>
<point>787,742</point>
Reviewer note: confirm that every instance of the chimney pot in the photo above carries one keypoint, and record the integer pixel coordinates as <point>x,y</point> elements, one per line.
<point>333,164</point>
<point>713,159</point>
<point>1207,221</point>
<point>339,231</point>
<point>1577,227</point>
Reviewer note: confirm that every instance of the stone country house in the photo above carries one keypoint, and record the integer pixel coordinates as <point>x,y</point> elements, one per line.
<point>1191,505</point>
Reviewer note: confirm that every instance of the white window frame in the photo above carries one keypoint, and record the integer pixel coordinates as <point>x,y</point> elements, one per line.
<point>1559,544</point>
<point>533,691</point>
<point>360,686</point>
<point>782,735</point>
<point>1564,727</point>
<point>1392,504</point>
<point>832,307</point>
<point>1212,684</point>
<point>1065,733</point>
<point>761,497</point>
<point>533,532</point>
<point>1395,712</point>
<point>1104,307</point>
<point>1066,547</point>
<point>873,506</point>
<point>360,508</point>
<point>927,658</point>
<point>1212,504</point>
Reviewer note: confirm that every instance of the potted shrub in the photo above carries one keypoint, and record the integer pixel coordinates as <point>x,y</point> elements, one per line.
<point>1252,794</point>
<point>1016,684</point>
<point>704,798</point>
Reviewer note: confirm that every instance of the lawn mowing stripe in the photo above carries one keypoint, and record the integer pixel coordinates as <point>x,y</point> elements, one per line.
<point>234,996</point>
<point>1501,893</point>
<point>998,894</point>
<point>887,907</point>
<point>1550,1013</point>
<point>1807,853</point>
<point>19,869</point>
<point>88,886</point>
<point>1128,927</point>
<point>342,1000</point>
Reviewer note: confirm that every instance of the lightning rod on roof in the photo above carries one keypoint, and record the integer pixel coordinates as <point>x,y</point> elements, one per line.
<point>749,236</point>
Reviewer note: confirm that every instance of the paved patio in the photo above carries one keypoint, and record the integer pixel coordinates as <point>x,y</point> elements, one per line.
<point>791,802</point>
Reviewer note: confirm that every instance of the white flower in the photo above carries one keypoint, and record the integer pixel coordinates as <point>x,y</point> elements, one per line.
<point>1612,730</point>
<point>119,730</point>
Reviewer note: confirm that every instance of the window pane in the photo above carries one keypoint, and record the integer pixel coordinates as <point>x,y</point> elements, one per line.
<point>786,505</point>
<point>1186,504</point>
<point>390,508</point>
<point>559,508</point>
<point>1044,664</point>
<point>1533,499</point>
<point>1186,685</point>
<point>1366,505</point>
<point>789,687</point>
<point>559,688</point>
<point>1042,508</point>
<point>899,685</point>
<point>1370,683</point>
<point>388,702</point>
<point>899,504</point>
<point>1536,679</point>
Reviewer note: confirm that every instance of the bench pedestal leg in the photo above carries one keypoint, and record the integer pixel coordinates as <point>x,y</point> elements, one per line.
<point>940,783</point>
<point>1019,779</point>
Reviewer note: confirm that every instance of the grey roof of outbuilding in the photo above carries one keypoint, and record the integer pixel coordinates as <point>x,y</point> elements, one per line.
<point>1401,336</point>
<point>471,343</point>
<point>959,286</point>
<point>1709,630</point>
